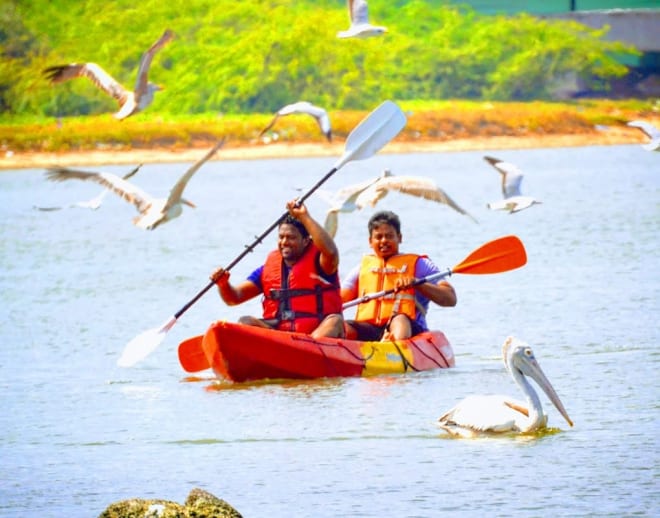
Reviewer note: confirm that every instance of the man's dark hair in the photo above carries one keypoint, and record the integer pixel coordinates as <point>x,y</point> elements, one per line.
<point>384,216</point>
<point>290,220</point>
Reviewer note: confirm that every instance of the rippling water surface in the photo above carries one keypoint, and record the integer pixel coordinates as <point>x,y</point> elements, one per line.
<point>78,433</point>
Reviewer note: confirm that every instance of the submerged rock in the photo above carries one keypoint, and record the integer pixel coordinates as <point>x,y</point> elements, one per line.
<point>199,504</point>
<point>206,505</point>
<point>139,508</point>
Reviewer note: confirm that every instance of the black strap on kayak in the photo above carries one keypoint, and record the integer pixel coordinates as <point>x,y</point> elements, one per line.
<point>404,360</point>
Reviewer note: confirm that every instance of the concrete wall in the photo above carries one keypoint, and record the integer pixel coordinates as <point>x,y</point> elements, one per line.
<point>638,27</point>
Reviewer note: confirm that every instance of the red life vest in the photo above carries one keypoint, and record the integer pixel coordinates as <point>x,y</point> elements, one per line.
<point>377,275</point>
<point>304,298</point>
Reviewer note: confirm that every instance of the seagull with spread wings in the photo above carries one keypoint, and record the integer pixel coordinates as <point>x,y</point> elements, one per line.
<point>95,202</point>
<point>306,108</point>
<point>419,186</point>
<point>344,201</point>
<point>513,200</point>
<point>152,211</point>
<point>370,192</point>
<point>650,131</point>
<point>129,102</point>
<point>358,12</point>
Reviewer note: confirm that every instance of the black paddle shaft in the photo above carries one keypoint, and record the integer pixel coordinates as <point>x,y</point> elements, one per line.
<point>249,248</point>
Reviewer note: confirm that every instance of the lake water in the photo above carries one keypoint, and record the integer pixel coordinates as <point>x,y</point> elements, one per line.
<point>78,433</point>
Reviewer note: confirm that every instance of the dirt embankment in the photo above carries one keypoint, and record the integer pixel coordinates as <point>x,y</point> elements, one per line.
<point>24,160</point>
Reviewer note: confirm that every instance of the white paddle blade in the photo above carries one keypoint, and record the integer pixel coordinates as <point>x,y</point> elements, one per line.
<point>368,137</point>
<point>144,344</point>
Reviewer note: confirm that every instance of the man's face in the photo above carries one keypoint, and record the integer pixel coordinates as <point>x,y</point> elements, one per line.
<point>291,243</point>
<point>384,241</point>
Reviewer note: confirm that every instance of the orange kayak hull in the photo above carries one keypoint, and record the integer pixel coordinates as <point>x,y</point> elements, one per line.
<point>244,353</point>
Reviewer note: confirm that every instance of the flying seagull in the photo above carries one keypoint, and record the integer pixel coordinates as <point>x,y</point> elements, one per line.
<point>308,108</point>
<point>513,200</point>
<point>490,415</point>
<point>358,12</point>
<point>153,211</point>
<point>344,201</point>
<point>419,186</point>
<point>129,102</point>
<point>95,202</point>
<point>651,132</point>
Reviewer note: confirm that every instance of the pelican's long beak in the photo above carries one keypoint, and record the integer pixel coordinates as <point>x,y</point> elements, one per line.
<point>535,372</point>
<point>189,203</point>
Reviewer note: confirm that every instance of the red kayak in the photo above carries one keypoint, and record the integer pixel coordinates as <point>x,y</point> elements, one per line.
<point>244,353</point>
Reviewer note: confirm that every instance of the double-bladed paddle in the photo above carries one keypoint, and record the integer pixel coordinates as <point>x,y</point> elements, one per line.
<point>376,130</point>
<point>497,256</point>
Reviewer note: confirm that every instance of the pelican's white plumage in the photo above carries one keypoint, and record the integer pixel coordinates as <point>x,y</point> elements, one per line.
<point>513,200</point>
<point>483,415</point>
<point>321,116</point>
<point>344,201</point>
<point>651,132</point>
<point>358,13</point>
<point>419,186</point>
<point>95,202</point>
<point>152,211</point>
<point>129,102</point>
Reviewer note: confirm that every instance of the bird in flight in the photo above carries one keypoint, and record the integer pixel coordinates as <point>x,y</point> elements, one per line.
<point>651,132</point>
<point>95,202</point>
<point>419,186</point>
<point>513,200</point>
<point>129,102</point>
<point>305,107</point>
<point>358,13</point>
<point>370,192</point>
<point>344,201</point>
<point>152,211</point>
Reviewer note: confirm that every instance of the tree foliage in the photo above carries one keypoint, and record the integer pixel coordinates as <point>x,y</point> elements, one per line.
<point>257,55</point>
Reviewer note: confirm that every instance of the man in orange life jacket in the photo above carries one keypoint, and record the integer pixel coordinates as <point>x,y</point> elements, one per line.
<point>299,280</point>
<point>401,314</point>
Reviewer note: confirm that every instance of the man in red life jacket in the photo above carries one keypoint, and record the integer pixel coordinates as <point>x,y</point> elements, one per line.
<point>299,280</point>
<point>401,314</point>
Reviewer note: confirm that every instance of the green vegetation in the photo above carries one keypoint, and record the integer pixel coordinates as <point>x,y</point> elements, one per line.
<point>254,56</point>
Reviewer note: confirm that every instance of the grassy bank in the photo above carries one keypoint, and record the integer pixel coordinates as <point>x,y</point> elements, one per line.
<point>427,121</point>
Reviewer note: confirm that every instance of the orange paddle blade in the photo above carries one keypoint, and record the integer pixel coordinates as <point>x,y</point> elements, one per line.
<point>191,355</point>
<point>500,255</point>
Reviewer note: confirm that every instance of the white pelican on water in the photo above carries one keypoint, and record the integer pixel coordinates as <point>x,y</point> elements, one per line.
<point>512,177</point>
<point>651,132</point>
<point>129,102</point>
<point>344,201</point>
<point>358,13</point>
<point>308,108</point>
<point>153,211</point>
<point>479,415</point>
<point>95,202</point>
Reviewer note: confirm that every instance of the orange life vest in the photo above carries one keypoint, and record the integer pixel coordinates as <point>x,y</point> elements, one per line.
<point>301,300</point>
<point>377,275</point>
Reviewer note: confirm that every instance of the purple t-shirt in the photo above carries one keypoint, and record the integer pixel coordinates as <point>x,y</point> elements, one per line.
<point>423,268</point>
